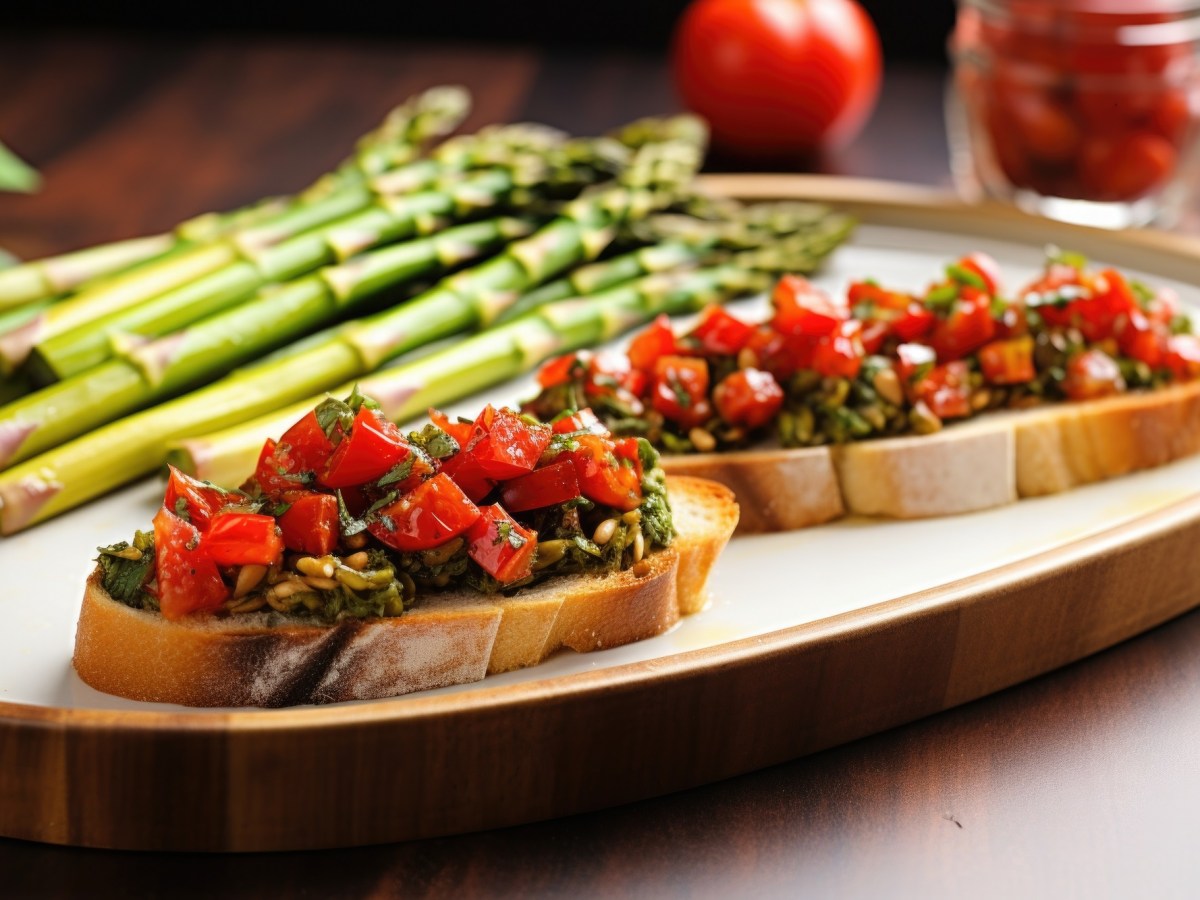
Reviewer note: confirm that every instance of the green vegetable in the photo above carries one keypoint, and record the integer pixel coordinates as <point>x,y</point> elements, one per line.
<point>127,569</point>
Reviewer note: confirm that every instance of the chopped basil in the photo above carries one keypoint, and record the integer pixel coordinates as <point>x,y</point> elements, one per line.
<point>434,441</point>
<point>398,472</point>
<point>127,568</point>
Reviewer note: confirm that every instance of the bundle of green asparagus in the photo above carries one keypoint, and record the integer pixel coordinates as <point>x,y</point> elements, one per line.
<point>134,343</point>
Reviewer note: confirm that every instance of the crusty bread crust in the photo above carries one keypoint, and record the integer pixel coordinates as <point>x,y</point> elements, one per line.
<point>983,463</point>
<point>447,639</point>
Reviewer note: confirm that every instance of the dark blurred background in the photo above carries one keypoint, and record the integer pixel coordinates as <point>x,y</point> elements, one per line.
<point>910,29</point>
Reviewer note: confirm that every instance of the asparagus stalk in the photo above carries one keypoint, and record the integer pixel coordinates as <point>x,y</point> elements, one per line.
<point>508,350</point>
<point>163,368</point>
<point>62,478</point>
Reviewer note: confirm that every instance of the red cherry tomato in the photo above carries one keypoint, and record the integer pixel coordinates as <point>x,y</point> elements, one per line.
<point>778,76</point>
<point>427,517</point>
<point>607,474</point>
<point>310,523</point>
<point>749,397</point>
<point>500,545</point>
<point>373,446</point>
<point>657,340</point>
<point>1008,361</point>
<point>680,390</point>
<point>548,486</point>
<point>199,499</point>
<point>1092,374</point>
<point>187,578</point>
<point>243,539</point>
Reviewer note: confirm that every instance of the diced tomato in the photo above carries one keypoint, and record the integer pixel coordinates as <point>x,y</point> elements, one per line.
<point>1163,307</point>
<point>429,516</point>
<point>548,486</point>
<point>1009,361</point>
<point>657,340</point>
<point>1141,339</point>
<point>1092,374</point>
<point>507,446</point>
<point>802,309</point>
<point>606,476</point>
<point>373,446</point>
<point>946,390</point>
<point>781,355</point>
<point>913,360</point>
<point>915,322</point>
<point>187,578</point>
<point>243,539</point>
<point>584,420</point>
<point>720,333</point>
<point>307,445</point>
<point>310,523</point>
<point>610,372</point>
<point>680,390</point>
<point>874,333</point>
<point>968,327</point>
<point>199,499</point>
<point>868,292</point>
<point>273,473</point>
<point>460,431</point>
<point>840,354</point>
<point>986,267</point>
<point>560,369</point>
<point>1011,323</point>
<point>468,474</point>
<point>748,397</point>
<point>1183,356</point>
<point>500,545</point>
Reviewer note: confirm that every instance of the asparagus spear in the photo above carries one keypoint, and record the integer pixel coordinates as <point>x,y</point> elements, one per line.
<point>403,392</point>
<point>169,365</point>
<point>86,467</point>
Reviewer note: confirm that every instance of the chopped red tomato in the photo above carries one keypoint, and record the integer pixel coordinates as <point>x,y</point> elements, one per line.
<point>243,539</point>
<point>584,420</point>
<point>913,360</point>
<point>986,268</point>
<point>946,390</point>
<point>607,477</point>
<point>310,523</point>
<point>548,486</point>
<point>427,517</point>
<point>1092,374</point>
<point>468,474</point>
<point>1183,356</point>
<point>505,445</point>
<point>1142,339</point>
<point>720,333</point>
<point>803,309</point>
<point>273,474</point>
<point>501,546</point>
<point>656,341</point>
<point>1009,361</point>
<point>560,369</point>
<point>968,327</point>
<point>748,397</point>
<point>307,446</point>
<point>187,578</point>
<point>840,354</point>
<point>610,372</point>
<point>198,499</point>
<point>680,390</point>
<point>460,431</point>
<point>373,446</point>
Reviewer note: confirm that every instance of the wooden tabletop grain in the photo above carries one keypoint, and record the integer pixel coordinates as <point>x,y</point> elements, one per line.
<point>1082,783</point>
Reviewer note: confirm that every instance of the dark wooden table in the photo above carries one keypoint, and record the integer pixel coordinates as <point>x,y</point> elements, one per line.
<point>1082,783</point>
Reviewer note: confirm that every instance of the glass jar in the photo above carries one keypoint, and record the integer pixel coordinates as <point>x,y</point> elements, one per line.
<point>1084,110</point>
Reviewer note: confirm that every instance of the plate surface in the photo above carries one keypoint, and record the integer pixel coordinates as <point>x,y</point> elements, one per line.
<point>811,637</point>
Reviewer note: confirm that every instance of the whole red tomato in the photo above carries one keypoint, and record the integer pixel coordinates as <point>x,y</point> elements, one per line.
<point>774,77</point>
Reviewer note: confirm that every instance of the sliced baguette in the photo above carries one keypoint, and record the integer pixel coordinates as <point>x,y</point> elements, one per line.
<point>986,462</point>
<point>449,638</point>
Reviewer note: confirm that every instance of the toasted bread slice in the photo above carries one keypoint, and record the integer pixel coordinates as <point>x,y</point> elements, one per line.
<point>974,465</point>
<point>452,638</point>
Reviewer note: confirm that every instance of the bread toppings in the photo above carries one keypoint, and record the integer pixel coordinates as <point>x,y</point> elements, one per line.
<point>347,517</point>
<point>878,361</point>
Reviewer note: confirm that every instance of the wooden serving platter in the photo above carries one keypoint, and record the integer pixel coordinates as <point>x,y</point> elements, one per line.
<point>812,638</point>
